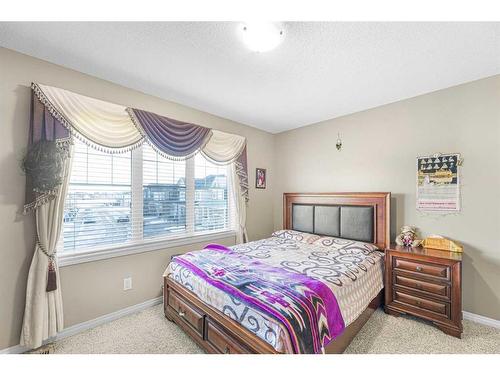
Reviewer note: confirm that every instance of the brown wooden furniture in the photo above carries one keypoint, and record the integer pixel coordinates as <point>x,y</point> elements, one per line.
<point>426,283</point>
<point>217,333</point>
<point>381,203</point>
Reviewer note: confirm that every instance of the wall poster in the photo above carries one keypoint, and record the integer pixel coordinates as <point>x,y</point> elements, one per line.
<point>438,183</point>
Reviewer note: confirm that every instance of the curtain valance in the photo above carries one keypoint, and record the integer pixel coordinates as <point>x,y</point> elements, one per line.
<point>224,148</point>
<point>170,137</point>
<point>107,126</point>
<point>58,114</point>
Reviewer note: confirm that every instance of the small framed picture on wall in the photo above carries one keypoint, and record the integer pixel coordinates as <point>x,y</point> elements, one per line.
<point>260,178</point>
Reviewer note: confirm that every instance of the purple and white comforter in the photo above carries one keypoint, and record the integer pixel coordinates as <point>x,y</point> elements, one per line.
<point>294,290</point>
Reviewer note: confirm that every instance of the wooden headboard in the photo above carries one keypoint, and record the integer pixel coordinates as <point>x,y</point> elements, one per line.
<point>362,216</point>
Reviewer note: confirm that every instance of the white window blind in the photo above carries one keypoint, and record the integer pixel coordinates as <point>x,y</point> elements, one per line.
<point>164,194</point>
<point>211,203</point>
<point>98,204</point>
<point>140,196</point>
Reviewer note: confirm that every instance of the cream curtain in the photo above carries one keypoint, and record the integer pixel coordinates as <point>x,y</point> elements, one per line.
<point>240,202</point>
<point>105,124</point>
<point>43,313</point>
<point>223,148</point>
<point>226,148</point>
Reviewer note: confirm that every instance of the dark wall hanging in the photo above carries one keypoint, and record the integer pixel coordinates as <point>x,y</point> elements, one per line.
<point>260,178</point>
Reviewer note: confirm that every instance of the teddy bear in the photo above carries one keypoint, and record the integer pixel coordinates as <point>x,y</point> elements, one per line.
<point>408,237</point>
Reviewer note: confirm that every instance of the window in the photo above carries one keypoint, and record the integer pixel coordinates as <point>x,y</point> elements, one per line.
<point>210,196</point>
<point>164,192</point>
<point>140,196</point>
<point>98,204</point>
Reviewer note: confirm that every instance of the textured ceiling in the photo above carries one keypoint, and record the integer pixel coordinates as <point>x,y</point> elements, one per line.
<point>320,71</point>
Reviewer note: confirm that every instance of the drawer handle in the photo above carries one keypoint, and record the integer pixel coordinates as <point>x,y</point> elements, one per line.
<point>417,303</point>
<point>418,286</point>
<point>419,268</point>
<point>182,313</point>
<point>227,350</point>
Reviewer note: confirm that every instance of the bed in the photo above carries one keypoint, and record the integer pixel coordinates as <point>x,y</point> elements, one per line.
<point>308,288</point>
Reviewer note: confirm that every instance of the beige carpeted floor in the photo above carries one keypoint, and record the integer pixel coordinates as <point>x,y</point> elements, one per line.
<point>149,332</point>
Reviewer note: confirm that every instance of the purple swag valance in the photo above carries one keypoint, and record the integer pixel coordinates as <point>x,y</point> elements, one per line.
<point>44,126</point>
<point>170,137</point>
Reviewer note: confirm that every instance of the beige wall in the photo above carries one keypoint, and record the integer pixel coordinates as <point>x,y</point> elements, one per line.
<point>91,289</point>
<point>379,154</point>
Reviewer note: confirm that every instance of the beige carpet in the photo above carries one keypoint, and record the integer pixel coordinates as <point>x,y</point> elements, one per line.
<point>149,332</point>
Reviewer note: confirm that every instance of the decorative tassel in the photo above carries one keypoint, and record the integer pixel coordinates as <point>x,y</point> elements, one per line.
<point>51,277</point>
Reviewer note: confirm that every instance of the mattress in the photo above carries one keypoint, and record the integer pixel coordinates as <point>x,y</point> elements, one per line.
<point>353,270</point>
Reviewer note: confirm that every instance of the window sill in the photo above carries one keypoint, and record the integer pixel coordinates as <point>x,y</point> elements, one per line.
<point>72,258</point>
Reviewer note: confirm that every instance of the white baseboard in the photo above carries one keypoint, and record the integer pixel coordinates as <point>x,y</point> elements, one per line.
<point>482,319</point>
<point>77,328</point>
<point>89,324</point>
<point>18,349</point>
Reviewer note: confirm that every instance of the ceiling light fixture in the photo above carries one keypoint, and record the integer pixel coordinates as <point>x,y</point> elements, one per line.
<point>261,36</point>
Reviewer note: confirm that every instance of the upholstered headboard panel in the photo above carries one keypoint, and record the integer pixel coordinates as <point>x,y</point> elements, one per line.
<point>356,216</point>
<point>350,222</point>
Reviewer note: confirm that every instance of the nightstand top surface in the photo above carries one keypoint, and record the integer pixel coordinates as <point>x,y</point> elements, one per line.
<point>435,253</point>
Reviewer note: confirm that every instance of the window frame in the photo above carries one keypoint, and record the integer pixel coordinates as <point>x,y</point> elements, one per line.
<point>140,244</point>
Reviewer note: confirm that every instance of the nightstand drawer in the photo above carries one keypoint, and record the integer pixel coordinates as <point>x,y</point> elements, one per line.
<point>442,290</point>
<point>441,308</point>
<point>436,270</point>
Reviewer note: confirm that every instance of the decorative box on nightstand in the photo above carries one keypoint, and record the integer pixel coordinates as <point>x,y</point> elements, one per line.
<point>426,283</point>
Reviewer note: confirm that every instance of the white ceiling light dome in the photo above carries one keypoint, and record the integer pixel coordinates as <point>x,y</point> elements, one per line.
<point>261,36</point>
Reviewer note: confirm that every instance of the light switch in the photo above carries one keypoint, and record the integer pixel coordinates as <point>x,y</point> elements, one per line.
<point>127,283</point>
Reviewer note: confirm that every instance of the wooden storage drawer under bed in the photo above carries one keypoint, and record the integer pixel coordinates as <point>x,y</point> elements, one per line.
<point>220,340</point>
<point>206,331</point>
<point>183,310</point>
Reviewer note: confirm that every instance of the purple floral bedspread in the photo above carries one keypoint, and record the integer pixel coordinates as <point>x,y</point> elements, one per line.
<point>306,306</point>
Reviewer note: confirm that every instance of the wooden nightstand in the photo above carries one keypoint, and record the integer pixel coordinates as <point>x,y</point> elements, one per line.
<point>426,283</point>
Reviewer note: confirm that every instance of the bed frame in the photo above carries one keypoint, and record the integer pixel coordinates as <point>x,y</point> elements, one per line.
<point>217,333</point>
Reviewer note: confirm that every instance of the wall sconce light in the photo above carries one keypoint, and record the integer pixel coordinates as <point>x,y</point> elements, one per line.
<point>339,142</point>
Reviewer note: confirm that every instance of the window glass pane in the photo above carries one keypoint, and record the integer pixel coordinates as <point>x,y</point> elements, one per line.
<point>166,173</point>
<point>164,194</point>
<point>149,172</point>
<point>98,206</point>
<point>121,170</point>
<point>148,153</point>
<point>99,169</point>
<point>211,205</point>
<point>79,168</point>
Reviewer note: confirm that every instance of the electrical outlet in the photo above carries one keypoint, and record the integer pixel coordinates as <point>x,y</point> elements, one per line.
<point>127,283</point>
